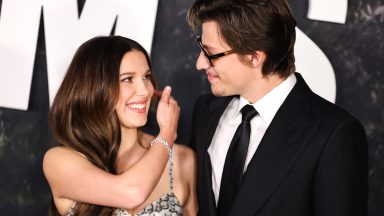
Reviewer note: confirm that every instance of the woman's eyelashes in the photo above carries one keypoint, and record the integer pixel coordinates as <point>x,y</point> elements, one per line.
<point>127,79</point>
<point>148,76</point>
<point>132,78</point>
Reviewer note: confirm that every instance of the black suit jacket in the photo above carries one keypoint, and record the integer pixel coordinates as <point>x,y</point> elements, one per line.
<point>312,160</point>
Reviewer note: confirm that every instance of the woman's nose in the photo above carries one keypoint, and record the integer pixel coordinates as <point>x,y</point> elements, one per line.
<point>142,88</point>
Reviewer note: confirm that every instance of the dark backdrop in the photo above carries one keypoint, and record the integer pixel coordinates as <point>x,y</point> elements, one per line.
<point>355,49</point>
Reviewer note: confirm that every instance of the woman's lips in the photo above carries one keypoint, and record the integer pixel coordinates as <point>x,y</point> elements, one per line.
<point>139,107</point>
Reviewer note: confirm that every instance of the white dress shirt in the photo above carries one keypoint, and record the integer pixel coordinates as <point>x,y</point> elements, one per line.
<point>267,107</point>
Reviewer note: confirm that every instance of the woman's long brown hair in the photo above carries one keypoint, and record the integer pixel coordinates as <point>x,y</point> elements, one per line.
<point>82,116</point>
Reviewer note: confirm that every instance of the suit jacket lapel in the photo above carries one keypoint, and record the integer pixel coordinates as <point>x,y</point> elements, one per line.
<point>216,108</point>
<point>281,146</point>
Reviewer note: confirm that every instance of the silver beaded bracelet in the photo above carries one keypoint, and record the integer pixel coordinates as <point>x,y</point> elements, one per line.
<point>165,144</point>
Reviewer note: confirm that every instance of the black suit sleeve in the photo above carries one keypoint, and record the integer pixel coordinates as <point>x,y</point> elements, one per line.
<point>341,176</point>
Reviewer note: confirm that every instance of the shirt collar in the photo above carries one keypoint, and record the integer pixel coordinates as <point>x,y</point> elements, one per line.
<point>268,105</point>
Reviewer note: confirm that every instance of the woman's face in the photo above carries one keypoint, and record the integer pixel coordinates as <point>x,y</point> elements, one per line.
<point>136,90</point>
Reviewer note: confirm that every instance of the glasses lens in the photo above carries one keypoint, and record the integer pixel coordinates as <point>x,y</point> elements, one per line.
<point>198,39</point>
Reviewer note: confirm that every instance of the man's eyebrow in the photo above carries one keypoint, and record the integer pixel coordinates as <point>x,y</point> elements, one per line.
<point>208,47</point>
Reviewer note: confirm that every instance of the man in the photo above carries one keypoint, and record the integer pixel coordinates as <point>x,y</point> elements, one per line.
<point>289,152</point>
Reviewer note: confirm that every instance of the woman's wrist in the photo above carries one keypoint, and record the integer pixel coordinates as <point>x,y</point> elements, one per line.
<point>169,136</point>
<point>161,141</point>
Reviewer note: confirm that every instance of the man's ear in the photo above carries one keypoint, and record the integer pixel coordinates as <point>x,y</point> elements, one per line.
<point>257,59</point>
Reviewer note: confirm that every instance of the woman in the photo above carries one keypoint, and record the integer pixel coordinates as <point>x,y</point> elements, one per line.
<point>103,164</point>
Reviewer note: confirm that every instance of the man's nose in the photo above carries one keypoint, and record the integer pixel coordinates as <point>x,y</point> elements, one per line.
<point>202,63</point>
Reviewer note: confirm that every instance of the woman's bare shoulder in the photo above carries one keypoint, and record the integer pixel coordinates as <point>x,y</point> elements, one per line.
<point>59,160</point>
<point>60,152</point>
<point>184,155</point>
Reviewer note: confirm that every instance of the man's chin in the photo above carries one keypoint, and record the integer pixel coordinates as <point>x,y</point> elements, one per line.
<point>219,92</point>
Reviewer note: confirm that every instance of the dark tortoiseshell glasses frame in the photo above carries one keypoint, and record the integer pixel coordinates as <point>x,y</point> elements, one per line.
<point>214,56</point>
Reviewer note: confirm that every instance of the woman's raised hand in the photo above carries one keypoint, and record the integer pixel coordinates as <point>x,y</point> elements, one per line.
<point>167,115</point>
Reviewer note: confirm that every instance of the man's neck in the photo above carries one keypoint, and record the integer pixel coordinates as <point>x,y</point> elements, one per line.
<point>261,87</point>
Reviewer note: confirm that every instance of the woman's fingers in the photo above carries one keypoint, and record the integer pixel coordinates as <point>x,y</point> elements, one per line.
<point>166,94</point>
<point>168,114</point>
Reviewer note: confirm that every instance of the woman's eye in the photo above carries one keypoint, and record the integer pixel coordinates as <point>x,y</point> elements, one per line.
<point>127,79</point>
<point>147,77</point>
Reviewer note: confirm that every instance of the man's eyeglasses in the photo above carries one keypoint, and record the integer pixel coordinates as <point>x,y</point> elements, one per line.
<point>214,56</point>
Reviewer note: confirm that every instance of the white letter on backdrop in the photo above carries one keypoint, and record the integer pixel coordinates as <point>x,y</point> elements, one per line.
<point>311,62</point>
<point>19,26</point>
<point>315,67</point>
<point>328,10</point>
<point>64,31</point>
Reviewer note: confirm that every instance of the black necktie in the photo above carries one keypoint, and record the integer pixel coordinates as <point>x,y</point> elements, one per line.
<point>234,162</point>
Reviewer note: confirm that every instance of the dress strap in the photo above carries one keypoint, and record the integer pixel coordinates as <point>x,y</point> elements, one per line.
<point>72,209</point>
<point>171,172</point>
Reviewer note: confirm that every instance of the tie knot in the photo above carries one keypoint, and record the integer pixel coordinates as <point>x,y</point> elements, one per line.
<point>248,112</point>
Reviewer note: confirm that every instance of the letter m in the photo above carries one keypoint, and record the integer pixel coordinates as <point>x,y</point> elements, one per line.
<point>65,30</point>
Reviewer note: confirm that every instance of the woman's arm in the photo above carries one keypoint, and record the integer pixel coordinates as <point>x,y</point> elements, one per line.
<point>72,176</point>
